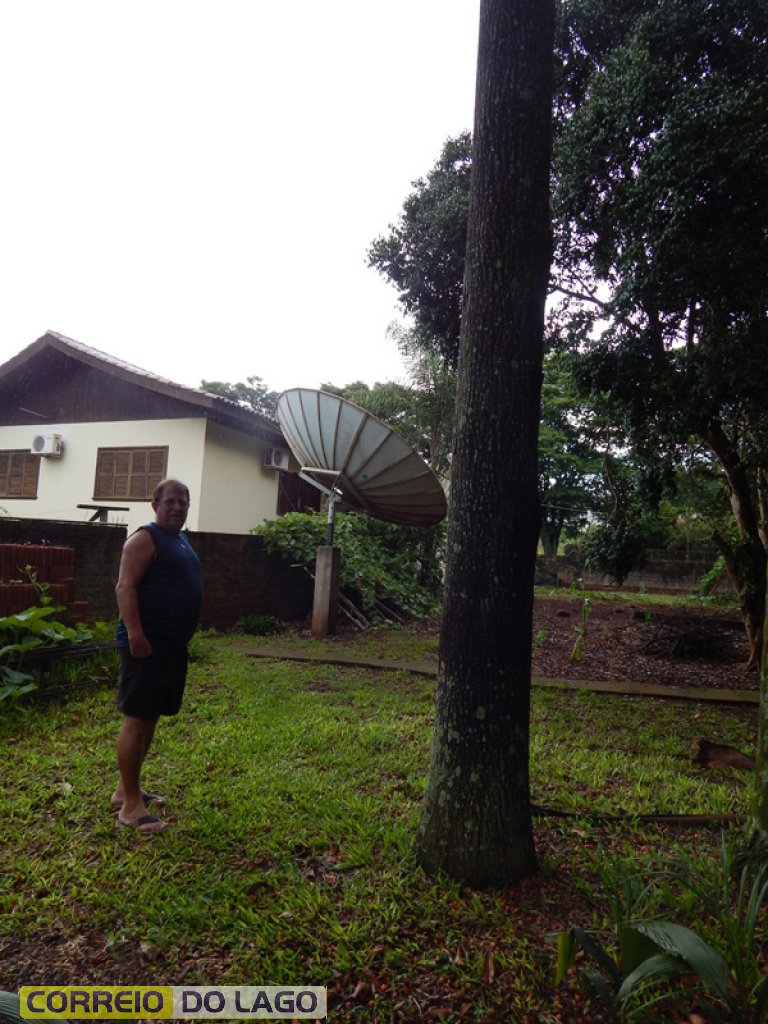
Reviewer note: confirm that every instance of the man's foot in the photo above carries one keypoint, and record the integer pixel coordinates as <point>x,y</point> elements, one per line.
<point>149,798</point>
<point>147,823</point>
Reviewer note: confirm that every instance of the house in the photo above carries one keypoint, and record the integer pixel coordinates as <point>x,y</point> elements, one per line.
<point>86,436</point>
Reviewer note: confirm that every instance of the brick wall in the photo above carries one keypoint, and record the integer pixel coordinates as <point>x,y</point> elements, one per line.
<point>25,568</point>
<point>239,577</point>
<point>97,556</point>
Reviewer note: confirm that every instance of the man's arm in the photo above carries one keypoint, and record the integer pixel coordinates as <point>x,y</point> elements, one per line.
<point>138,553</point>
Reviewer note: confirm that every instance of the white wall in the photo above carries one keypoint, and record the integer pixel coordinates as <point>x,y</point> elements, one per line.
<point>225,462</point>
<point>237,493</point>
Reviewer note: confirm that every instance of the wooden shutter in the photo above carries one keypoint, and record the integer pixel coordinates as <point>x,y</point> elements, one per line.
<point>129,474</point>
<point>19,474</point>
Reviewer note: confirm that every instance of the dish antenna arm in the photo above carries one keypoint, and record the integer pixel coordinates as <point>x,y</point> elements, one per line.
<point>332,493</point>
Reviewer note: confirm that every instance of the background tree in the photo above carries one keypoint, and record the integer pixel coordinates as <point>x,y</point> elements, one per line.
<point>569,465</point>
<point>396,404</point>
<point>434,383</point>
<point>423,255</point>
<point>476,818</point>
<point>661,186</point>
<point>253,394</point>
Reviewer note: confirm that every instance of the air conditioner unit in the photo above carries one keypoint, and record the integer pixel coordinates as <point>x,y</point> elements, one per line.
<point>48,444</point>
<point>275,458</point>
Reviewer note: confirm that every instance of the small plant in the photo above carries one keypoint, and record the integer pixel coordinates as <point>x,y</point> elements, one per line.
<point>27,631</point>
<point>258,625</point>
<point>42,587</point>
<point>581,631</point>
<point>710,579</point>
<point>540,638</point>
<point>14,684</point>
<point>650,951</point>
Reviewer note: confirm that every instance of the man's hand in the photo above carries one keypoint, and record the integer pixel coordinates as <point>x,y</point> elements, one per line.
<point>139,646</point>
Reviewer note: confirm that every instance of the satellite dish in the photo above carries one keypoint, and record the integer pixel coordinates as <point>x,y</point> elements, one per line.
<point>346,448</point>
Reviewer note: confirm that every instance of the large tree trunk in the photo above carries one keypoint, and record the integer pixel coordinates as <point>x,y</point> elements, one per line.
<point>745,562</point>
<point>476,820</point>
<point>551,531</point>
<point>761,759</point>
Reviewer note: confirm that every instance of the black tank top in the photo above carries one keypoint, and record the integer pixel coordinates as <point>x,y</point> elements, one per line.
<point>171,592</point>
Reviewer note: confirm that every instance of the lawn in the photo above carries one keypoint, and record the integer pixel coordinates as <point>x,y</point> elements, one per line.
<point>294,790</point>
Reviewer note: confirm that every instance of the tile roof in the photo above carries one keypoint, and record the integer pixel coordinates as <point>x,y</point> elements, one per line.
<point>217,405</point>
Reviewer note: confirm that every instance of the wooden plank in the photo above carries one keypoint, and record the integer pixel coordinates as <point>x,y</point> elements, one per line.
<point>629,689</point>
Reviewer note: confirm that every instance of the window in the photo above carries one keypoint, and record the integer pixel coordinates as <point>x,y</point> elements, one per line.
<point>296,495</point>
<point>129,474</point>
<point>19,471</point>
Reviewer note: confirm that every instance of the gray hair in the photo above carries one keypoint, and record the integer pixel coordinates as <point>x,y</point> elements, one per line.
<point>175,485</point>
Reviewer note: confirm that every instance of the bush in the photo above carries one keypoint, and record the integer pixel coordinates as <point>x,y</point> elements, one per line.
<point>258,625</point>
<point>31,630</point>
<point>383,566</point>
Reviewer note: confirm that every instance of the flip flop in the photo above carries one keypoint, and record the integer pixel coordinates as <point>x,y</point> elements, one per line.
<point>153,798</point>
<point>143,823</point>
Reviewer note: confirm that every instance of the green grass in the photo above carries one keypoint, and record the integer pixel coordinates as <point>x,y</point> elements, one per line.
<point>640,597</point>
<point>384,643</point>
<point>294,792</point>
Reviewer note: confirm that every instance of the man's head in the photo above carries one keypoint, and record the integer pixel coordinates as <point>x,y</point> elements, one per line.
<point>170,502</point>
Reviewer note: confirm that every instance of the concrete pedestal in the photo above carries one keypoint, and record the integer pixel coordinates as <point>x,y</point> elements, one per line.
<point>326,604</point>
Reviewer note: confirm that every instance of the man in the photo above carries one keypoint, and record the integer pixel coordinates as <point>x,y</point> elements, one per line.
<point>159,594</point>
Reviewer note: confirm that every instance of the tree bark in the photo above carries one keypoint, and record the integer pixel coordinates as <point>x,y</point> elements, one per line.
<point>551,532</point>
<point>476,816</point>
<point>746,562</point>
<point>761,756</point>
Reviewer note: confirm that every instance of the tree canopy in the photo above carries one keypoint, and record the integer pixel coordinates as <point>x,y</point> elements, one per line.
<point>423,254</point>
<point>252,394</point>
<point>661,203</point>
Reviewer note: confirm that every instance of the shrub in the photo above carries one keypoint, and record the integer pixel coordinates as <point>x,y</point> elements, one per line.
<point>383,566</point>
<point>258,625</point>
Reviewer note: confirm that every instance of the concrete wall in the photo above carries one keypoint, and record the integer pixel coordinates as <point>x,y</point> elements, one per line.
<point>674,572</point>
<point>239,577</point>
<point>230,490</point>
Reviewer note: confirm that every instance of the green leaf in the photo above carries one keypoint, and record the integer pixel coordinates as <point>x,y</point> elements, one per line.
<point>11,675</point>
<point>598,985</point>
<point>635,948</point>
<point>686,944</point>
<point>760,997</point>
<point>593,949</point>
<point>567,948</point>
<point>659,966</point>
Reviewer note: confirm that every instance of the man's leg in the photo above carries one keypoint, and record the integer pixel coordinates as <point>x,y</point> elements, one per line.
<point>133,742</point>
<point>118,797</point>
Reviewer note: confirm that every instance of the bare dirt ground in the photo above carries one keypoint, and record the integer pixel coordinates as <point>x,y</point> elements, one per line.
<point>640,643</point>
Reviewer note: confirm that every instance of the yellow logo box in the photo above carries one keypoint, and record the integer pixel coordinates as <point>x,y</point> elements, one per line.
<point>163,1002</point>
<point>96,1002</point>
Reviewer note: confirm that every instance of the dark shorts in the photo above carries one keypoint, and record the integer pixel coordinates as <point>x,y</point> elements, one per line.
<point>154,686</point>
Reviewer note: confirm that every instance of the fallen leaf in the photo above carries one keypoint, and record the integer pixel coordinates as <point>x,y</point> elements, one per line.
<point>488,967</point>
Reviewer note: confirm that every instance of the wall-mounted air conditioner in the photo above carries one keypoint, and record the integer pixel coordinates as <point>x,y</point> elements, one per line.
<point>275,458</point>
<point>48,444</point>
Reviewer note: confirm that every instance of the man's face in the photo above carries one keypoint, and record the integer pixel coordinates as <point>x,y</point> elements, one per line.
<point>171,510</point>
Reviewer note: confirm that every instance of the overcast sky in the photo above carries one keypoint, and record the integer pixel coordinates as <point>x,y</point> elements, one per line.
<point>192,186</point>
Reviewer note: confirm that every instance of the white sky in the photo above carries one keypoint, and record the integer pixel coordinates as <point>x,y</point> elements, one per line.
<point>192,186</point>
